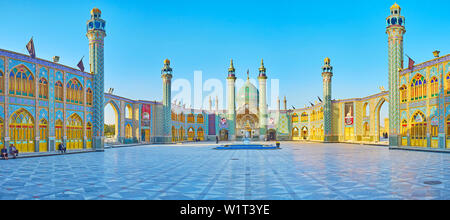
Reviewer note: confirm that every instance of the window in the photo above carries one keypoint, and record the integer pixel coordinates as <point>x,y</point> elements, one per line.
<point>128,131</point>
<point>403,94</point>
<point>304,117</point>
<point>418,88</point>
<point>191,118</point>
<point>434,84</point>
<point>89,97</point>
<point>200,119</point>
<point>74,91</point>
<point>294,118</point>
<point>21,82</point>
<point>59,92</point>
<point>43,88</point>
<point>447,83</point>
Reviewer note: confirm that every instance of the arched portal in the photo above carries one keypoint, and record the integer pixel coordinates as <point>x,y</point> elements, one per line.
<point>418,130</point>
<point>272,135</point>
<point>191,134</point>
<point>74,127</point>
<point>181,134</point>
<point>112,122</point>
<point>224,135</point>
<point>304,133</point>
<point>58,132</point>
<point>295,134</point>
<point>382,121</point>
<point>200,134</point>
<point>21,128</point>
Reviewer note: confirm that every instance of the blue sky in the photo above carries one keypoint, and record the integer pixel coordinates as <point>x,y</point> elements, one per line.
<point>293,37</point>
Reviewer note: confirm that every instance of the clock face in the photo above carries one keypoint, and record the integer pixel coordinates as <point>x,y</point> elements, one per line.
<point>97,24</point>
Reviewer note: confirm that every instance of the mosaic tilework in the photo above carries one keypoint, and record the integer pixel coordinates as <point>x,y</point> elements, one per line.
<point>298,171</point>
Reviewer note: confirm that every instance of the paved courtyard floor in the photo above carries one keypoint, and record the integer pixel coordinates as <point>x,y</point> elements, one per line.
<point>298,171</point>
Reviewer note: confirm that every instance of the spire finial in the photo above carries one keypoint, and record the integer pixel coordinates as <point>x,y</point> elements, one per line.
<point>231,69</point>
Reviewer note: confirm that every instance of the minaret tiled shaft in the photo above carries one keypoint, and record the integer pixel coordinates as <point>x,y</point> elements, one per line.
<point>96,34</point>
<point>395,30</point>
<point>231,95</point>
<point>166,75</point>
<point>262,79</point>
<point>327,74</point>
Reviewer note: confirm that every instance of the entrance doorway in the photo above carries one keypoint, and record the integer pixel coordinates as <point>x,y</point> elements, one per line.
<point>224,135</point>
<point>271,135</point>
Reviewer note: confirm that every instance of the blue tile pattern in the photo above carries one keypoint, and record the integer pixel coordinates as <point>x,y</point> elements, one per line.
<point>187,172</point>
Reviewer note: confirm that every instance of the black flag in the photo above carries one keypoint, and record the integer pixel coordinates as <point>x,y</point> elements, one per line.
<point>311,104</point>
<point>319,99</point>
<point>30,48</point>
<point>81,65</point>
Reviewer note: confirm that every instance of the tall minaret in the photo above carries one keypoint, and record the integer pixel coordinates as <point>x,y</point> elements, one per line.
<point>327,74</point>
<point>231,110</point>
<point>96,34</point>
<point>166,75</point>
<point>262,79</point>
<point>395,30</point>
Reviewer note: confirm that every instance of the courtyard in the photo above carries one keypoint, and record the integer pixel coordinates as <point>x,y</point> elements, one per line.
<point>198,172</point>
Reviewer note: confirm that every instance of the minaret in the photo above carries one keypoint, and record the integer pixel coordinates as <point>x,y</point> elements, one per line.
<point>231,110</point>
<point>327,74</point>
<point>395,30</point>
<point>96,34</point>
<point>166,75</point>
<point>262,79</point>
<point>217,105</point>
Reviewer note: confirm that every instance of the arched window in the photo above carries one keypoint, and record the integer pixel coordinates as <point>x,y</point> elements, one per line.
<point>74,91</point>
<point>181,134</point>
<point>128,112</point>
<point>43,135</point>
<point>448,127</point>
<point>21,82</point>
<point>403,94</point>
<point>190,118</point>
<point>418,130</point>
<point>2,84</point>
<point>43,88</point>
<point>304,117</point>
<point>418,88</point>
<point>434,84</point>
<point>89,97</point>
<point>313,116</point>
<point>74,127</point>
<point>59,92</point>
<point>434,122</point>
<point>294,118</point>
<point>21,130</point>
<point>200,119</point>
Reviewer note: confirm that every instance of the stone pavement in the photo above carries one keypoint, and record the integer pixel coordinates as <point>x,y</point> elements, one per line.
<point>190,171</point>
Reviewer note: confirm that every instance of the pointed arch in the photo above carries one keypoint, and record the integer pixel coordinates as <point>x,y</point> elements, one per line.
<point>21,81</point>
<point>128,111</point>
<point>74,126</point>
<point>434,87</point>
<point>89,97</point>
<point>418,129</point>
<point>200,119</point>
<point>59,126</point>
<point>418,88</point>
<point>59,91</point>
<point>2,84</point>
<point>74,91</point>
<point>200,134</point>
<point>191,134</point>
<point>295,118</point>
<point>21,130</point>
